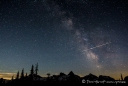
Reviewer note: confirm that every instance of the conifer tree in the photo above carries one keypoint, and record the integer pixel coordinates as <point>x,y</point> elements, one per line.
<point>22,73</point>
<point>121,77</point>
<point>12,78</point>
<point>32,70</point>
<point>26,75</point>
<point>36,69</point>
<point>17,76</point>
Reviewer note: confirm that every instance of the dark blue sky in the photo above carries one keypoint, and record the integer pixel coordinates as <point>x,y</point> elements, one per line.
<point>83,36</point>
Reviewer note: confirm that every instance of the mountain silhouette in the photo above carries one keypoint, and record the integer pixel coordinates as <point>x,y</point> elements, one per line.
<point>62,79</point>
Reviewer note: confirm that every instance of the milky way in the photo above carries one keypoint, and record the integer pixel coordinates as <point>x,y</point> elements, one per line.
<point>97,44</point>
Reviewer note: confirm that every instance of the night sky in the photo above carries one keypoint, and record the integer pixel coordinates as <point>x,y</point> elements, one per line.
<point>83,36</point>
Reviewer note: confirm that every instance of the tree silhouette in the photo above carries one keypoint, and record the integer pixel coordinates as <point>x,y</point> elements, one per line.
<point>48,74</point>
<point>22,73</point>
<point>12,77</point>
<point>26,75</point>
<point>36,69</point>
<point>122,77</point>
<point>17,76</point>
<point>32,70</point>
<point>62,79</point>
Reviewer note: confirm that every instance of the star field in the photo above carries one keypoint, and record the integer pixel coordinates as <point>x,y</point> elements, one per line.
<point>83,36</point>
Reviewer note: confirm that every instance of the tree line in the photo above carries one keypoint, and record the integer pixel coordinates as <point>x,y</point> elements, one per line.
<point>62,79</point>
